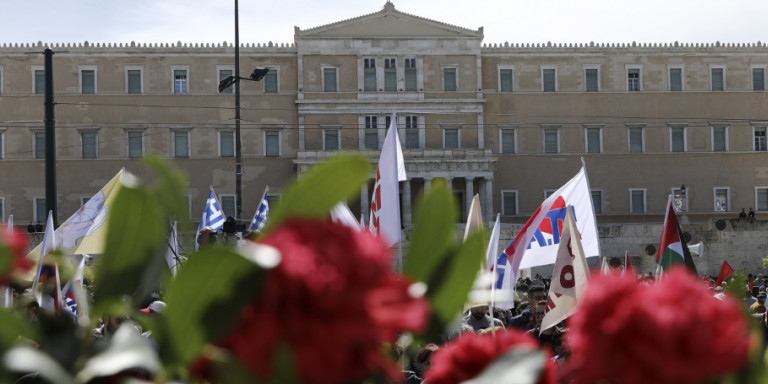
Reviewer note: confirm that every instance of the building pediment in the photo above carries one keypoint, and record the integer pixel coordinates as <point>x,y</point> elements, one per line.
<point>387,23</point>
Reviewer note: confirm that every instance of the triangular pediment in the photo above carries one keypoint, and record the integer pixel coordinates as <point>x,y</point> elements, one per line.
<point>387,23</point>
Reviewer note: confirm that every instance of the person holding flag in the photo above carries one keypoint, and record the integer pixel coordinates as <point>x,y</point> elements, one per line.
<point>213,217</point>
<point>262,214</point>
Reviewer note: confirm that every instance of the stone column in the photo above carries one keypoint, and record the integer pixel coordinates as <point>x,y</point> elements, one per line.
<point>449,183</point>
<point>427,184</point>
<point>407,202</point>
<point>489,212</point>
<point>365,205</point>
<point>469,192</point>
<point>302,144</point>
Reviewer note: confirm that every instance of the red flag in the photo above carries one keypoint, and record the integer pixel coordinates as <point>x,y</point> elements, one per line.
<point>725,272</point>
<point>628,265</point>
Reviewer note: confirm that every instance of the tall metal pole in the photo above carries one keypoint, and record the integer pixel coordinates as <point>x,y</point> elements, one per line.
<point>50,140</point>
<point>238,148</point>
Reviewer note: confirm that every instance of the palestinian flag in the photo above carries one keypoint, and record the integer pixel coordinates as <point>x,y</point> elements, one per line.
<point>672,250</point>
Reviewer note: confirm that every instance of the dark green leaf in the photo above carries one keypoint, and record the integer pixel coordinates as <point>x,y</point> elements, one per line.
<point>12,328</point>
<point>206,298</point>
<point>448,292</point>
<point>433,232</point>
<point>320,189</point>
<point>135,239</point>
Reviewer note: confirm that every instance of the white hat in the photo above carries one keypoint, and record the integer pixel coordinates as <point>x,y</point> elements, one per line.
<point>155,307</point>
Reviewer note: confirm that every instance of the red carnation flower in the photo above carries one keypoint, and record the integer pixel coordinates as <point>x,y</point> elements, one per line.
<point>467,356</point>
<point>13,246</point>
<point>333,300</point>
<point>670,332</point>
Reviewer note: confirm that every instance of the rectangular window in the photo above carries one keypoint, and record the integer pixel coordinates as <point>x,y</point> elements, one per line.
<point>411,132</point>
<point>40,213</point>
<point>718,79</point>
<point>680,199</point>
<point>451,138</point>
<point>371,132</point>
<point>331,140</point>
<point>505,80</point>
<point>761,199</point>
<point>759,133</point>
<point>39,82</point>
<point>329,79</point>
<point>227,205</point>
<point>89,142</point>
<point>636,140</point>
<point>180,85</point>
<point>88,81</point>
<point>509,203</point>
<point>721,199</point>
<point>226,144</point>
<point>134,81</point>
<point>39,143</point>
<point>597,201</point>
<point>719,139</point>
<point>591,77</point>
<point>369,75</point>
<point>549,80</point>
<point>633,79</point>
<point>551,141</point>
<point>2,141</point>
<point>390,75</point>
<point>450,83</point>
<point>637,200</point>
<point>675,79</point>
<point>270,81</point>
<point>677,139</point>
<point>507,141</point>
<point>135,144</point>
<point>272,143</point>
<point>223,74</point>
<point>410,75</point>
<point>594,140</point>
<point>758,79</point>
<point>181,144</point>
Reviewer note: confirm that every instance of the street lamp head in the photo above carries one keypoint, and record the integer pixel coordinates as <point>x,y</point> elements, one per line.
<point>259,73</point>
<point>227,82</point>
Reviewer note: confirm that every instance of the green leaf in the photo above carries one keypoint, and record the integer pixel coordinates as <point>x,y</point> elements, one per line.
<point>320,189</point>
<point>433,232</point>
<point>131,264</point>
<point>448,292</point>
<point>205,300</point>
<point>13,328</point>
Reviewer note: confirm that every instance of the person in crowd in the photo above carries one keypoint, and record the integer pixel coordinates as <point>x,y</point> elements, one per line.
<point>743,214</point>
<point>521,321</point>
<point>477,319</point>
<point>154,309</point>
<point>420,365</point>
<point>751,214</point>
<point>549,335</point>
<point>759,306</point>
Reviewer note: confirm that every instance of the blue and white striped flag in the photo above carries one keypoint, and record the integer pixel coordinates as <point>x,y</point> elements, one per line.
<point>213,216</point>
<point>262,214</point>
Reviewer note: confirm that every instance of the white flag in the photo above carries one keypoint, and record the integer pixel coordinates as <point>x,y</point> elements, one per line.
<point>341,214</point>
<point>537,242</point>
<point>569,278</point>
<point>172,256</point>
<point>385,202</point>
<point>474,217</point>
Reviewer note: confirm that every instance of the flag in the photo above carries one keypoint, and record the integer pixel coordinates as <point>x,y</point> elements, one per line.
<point>212,216</point>
<point>725,272</point>
<point>341,214</point>
<point>69,291</point>
<point>604,267</point>
<point>262,214</point>
<point>569,277</point>
<point>627,265</point>
<point>47,274</point>
<point>537,241</point>
<point>8,290</point>
<point>474,217</point>
<point>172,256</point>
<point>385,204</point>
<point>672,250</point>
<point>46,246</point>
<point>10,222</point>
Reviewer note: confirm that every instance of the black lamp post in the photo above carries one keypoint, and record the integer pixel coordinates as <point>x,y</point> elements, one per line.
<point>257,75</point>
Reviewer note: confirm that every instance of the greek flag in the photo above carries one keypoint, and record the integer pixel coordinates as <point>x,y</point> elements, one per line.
<point>213,216</point>
<point>262,214</point>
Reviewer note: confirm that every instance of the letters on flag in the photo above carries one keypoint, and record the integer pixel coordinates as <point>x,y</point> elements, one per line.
<point>537,241</point>
<point>569,277</point>
<point>385,201</point>
<point>262,214</point>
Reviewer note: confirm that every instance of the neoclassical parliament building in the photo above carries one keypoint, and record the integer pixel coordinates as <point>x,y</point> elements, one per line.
<point>506,120</point>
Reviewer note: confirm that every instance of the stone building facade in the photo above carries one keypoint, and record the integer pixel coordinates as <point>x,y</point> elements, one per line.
<point>509,122</point>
